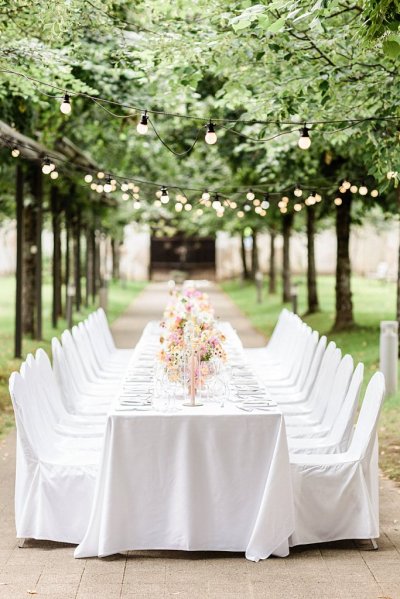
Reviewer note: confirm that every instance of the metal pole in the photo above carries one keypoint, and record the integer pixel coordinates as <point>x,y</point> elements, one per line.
<point>19,198</point>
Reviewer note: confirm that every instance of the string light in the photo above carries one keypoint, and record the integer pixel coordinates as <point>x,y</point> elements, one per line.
<point>125,196</point>
<point>15,152</point>
<point>142,126</point>
<point>250,195</point>
<point>240,213</point>
<point>304,141</point>
<point>54,175</point>
<point>297,207</point>
<point>374,193</point>
<point>99,188</point>
<point>188,207</point>
<point>107,184</point>
<point>211,136</point>
<point>265,202</point>
<point>46,166</point>
<point>346,184</point>
<point>93,186</point>
<point>164,197</point>
<point>65,106</point>
<point>100,175</point>
<point>298,192</point>
<point>136,205</point>
<point>88,178</point>
<point>217,203</point>
<point>363,190</point>
<point>353,188</point>
<point>205,196</point>
<point>178,207</point>
<point>338,201</point>
<point>199,211</point>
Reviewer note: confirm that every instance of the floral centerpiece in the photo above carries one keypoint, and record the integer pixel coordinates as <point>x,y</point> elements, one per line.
<point>190,329</point>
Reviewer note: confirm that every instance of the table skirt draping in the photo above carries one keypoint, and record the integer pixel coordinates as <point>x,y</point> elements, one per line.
<point>205,478</point>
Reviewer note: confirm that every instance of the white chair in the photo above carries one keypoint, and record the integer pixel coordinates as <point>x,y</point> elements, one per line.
<point>302,390</point>
<point>337,495</point>
<point>54,486</point>
<point>337,440</point>
<point>66,424</point>
<point>75,400</point>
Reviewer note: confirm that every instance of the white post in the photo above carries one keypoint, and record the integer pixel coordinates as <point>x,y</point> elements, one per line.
<point>389,347</point>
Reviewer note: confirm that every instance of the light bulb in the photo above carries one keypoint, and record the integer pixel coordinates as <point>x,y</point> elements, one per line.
<point>131,185</point>
<point>390,175</point>
<point>88,178</point>
<point>304,141</point>
<point>124,187</point>
<point>208,203</point>
<point>107,184</point>
<point>136,196</point>
<point>354,189</point>
<point>363,190</point>
<point>281,204</point>
<point>246,208</point>
<point>157,203</point>
<point>265,204</point>
<point>136,205</point>
<point>188,207</point>
<point>183,199</point>
<point>284,210</point>
<point>100,175</point>
<point>233,205</point>
<point>142,126</point>
<point>220,213</point>
<point>93,186</point>
<point>240,213</point>
<point>297,207</point>
<point>211,137</point>
<point>125,196</point>
<point>199,211</point>
<point>263,213</point>
<point>250,195</point>
<point>54,175</point>
<point>346,184</point>
<point>65,106</point>
<point>256,202</point>
<point>298,192</point>
<point>178,207</point>
<point>205,195</point>
<point>216,205</point>
<point>15,152</point>
<point>164,197</point>
<point>46,167</point>
<point>374,193</point>
<point>318,198</point>
<point>257,209</point>
<point>342,189</point>
<point>158,193</point>
<point>285,199</point>
<point>338,201</point>
<point>136,189</point>
<point>99,188</point>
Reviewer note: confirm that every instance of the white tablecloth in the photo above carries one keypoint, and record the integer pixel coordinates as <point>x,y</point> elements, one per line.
<point>204,478</point>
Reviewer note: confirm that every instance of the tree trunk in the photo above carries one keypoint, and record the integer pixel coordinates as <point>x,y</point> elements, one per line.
<point>32,288</point>
<point>67,269</point>
<point>344,305</point>
<point>89,266</point>
<point>115,247</point>
<point>272,269</point>
<point>287,221</point>
<point>56,268</point>
<point>93,254</point>
<point>19,201</point>
<point>254,256</point>
<point>244,261</point>
<point>38,193</point>
<point>77,259</point>
<point>398,269</point>
<point>312,294</point>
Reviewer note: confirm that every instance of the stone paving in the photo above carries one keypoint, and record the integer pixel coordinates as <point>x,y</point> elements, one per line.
<point>331,571</point>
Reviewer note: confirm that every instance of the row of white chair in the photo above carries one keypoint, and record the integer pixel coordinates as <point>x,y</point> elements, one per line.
<point>334,464</point>
<point>60,414</point>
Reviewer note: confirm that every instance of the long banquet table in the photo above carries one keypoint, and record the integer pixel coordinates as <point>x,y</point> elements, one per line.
<point>206,478</point>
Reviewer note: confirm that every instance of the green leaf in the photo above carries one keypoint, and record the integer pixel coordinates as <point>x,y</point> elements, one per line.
<point>243,24</point>
<point>391,48</point>
<point>277,25</point>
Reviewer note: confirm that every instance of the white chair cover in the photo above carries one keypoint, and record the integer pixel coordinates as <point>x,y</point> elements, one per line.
<point>336,495</point>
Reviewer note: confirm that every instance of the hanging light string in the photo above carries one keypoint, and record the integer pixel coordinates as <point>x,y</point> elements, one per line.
<point>49,161</point>
<point>139,109</point>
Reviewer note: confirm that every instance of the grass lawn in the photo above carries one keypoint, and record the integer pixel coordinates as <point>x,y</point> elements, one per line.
<point>119,298</point>
<point>373,301</point>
